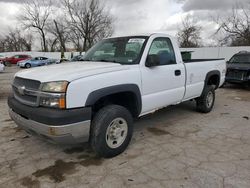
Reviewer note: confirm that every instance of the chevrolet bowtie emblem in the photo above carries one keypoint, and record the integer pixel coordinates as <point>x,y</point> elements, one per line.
<point>21,90</point>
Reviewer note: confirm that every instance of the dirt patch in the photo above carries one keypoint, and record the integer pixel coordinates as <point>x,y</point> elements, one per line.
<point>17,129</point>
<point>246,117</point>
<point>57,171</point>
<point>224,113</point>
<point>78,149</point>
<point>243,96</point>
<point>25,137</point>
<point>4,95</point>
<point>7,120</point>
<point>157,131</point>
<point>84,156</point>
<point>95,161</point>
<point>28,182</point>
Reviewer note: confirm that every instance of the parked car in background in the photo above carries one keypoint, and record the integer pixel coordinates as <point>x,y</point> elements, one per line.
<point>2,67</point>
<point>35,62</point>
<point>77,58</point>
<point>238,68</point>
<point>15,59</point>
<point>73,59</point>
<point>1,58</point>
<point>61,60</point>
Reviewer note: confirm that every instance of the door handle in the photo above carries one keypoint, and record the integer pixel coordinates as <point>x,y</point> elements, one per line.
<point>177,72</point>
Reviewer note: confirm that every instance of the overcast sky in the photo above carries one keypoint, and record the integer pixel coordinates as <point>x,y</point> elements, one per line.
<point>140,16</point>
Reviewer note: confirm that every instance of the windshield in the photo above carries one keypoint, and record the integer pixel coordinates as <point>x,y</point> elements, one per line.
<point>123,50</point>
<point>240,59</point>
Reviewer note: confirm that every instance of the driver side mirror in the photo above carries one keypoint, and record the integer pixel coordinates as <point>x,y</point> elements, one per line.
<point>152,60</point>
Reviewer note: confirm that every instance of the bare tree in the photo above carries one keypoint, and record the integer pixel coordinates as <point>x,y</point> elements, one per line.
<point>60,29</point>
<point>2,44</point>
<point>35,15</point>
<point>235,26</point>
<point>189,34</point>
<point>14,41</point>
<point>90,19</point>
<point>53,44</point>
<point>76,39</point>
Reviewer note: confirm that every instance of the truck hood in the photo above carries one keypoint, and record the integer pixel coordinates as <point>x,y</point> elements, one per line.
<point>239,66</point>
<point>69,71</point>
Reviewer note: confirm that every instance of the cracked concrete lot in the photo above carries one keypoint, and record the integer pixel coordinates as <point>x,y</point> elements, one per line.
<point>175,147</point>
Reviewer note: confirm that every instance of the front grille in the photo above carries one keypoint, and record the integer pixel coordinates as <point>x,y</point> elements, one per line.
<point>24,97</point>
<point>236,74</point>
<point>28,84</point>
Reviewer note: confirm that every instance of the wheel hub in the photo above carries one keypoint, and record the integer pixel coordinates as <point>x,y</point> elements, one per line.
<point>210,99</point>
<point>116,132</point>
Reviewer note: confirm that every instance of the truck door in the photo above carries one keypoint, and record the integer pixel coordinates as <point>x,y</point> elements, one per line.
<point>164,82</point>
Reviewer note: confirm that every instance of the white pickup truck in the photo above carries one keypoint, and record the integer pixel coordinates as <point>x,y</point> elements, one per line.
<point>120,79</point>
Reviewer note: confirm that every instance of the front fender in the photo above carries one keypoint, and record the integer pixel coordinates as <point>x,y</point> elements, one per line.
<point>94,96</point>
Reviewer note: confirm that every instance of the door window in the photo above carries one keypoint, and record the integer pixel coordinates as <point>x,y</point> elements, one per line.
<point>162,49</point>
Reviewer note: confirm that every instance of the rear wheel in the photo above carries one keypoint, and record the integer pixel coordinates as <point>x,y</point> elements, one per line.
<point>27,65</point>
<point>205,102</point>
<point>111,131</point>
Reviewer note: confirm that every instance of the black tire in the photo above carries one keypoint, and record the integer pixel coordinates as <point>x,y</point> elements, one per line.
<point>204,103</point>
<point>101,123</point>
<point>7,64</point>
<point>27,65</point>
<point>247,85</point>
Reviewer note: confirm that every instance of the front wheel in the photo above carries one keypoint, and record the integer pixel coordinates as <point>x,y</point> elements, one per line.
<point>27,65</point>
<point>7,64</point>
<point>111,131</point>
<point>205,102</point>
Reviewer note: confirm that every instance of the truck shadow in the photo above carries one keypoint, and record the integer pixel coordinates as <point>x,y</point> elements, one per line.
<point>236,87</point>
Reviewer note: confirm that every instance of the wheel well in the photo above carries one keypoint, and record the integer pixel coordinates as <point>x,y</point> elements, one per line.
<point>214,80</point>
<point>127,99</point>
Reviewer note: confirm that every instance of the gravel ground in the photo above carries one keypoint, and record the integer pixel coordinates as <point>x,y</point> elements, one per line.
<point>175,147</point>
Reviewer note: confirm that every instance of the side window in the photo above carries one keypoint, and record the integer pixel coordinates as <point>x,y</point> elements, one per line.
<point>240,59</point>
<point>162,49</point>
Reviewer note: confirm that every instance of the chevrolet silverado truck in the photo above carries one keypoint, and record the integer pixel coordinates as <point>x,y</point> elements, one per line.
<point>238,69</point>
<point>119,80</point>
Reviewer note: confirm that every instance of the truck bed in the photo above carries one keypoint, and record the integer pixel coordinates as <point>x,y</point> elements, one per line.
<point>201,60</point>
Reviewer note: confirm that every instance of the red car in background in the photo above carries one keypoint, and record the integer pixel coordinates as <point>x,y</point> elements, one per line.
<point>15,59</point>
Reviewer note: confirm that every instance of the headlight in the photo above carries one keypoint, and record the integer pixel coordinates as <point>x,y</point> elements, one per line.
<point>54,94</point>
<point>53,101</point>
<point>56,87</point>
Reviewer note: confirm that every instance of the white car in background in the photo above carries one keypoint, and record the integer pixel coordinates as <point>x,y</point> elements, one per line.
<point>2,67</point>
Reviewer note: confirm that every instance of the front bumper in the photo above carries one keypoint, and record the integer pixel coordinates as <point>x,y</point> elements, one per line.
<point>236,81</point>
<point>74,130</point>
